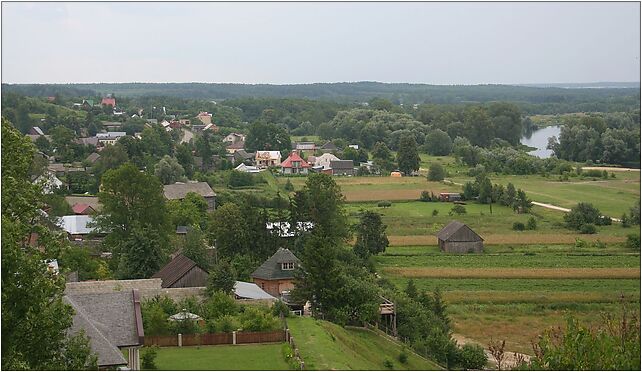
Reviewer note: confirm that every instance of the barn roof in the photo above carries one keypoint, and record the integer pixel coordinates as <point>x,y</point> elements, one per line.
<point>179,190</point>
<point>271,268</point>
<point>456,231</point>
<point>175,270</point>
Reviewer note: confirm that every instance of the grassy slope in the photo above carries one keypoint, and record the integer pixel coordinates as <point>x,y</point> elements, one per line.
<point>222,357</point>
<point>326,346</point>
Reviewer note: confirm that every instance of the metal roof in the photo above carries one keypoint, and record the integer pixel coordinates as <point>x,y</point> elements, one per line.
<point>76,224</point>
<point>251,291</point>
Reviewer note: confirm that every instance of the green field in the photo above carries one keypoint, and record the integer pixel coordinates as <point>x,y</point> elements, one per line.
<point>266,357</point>
<point>327,346</point>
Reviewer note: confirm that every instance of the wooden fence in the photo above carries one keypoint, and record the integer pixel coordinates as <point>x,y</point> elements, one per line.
<point>217,338</point>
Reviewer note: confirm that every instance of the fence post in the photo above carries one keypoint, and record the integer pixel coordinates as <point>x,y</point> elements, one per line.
<point>233,337</point>
<point>180,340</point>
<point>287,334</point>
<point>302,365</point>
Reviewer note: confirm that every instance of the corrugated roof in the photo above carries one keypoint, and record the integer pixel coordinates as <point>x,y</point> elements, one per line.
<point>251,291</point>
<point>457,231</point>
<point>179,190</point>
<point>271,268</point>
<point>341,164</point>
<point>76,224</point>
<point>175,270</point>
<point>80,208</point>
<point>93,157</point>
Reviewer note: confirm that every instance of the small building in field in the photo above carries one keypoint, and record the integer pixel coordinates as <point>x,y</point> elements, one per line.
<point>324,160</point>
<point>449,196</point>
<point>457,237</point>
<point>395,174</point>
<point>182,272</point>
<point>294,164</point>
<point>276,274</point>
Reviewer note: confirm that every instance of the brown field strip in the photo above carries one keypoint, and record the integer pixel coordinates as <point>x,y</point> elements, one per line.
<point>507,239</point>
<point>515,273</point>
<point>506,297</point>
<point>376,195</point>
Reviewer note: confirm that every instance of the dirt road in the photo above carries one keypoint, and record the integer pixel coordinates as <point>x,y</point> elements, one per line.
<point>612,169</point>
<point>510,358</point>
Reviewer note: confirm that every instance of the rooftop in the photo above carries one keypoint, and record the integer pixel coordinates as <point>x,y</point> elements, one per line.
<point>271,269</point>
<point>179,190</point>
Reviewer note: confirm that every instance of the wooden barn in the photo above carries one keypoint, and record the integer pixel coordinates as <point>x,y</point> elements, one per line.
<point>181,272</point>
<point>457,237</point>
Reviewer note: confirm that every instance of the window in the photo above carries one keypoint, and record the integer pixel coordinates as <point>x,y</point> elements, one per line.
<point>287,266</point>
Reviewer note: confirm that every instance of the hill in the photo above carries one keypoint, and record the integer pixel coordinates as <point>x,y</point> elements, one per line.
<point>327,346</point>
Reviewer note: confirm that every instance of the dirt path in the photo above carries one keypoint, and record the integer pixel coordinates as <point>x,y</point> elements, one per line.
<point>612,169</point>
<point>510,358</point>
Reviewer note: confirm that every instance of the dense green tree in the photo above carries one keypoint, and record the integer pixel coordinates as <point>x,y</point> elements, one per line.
<point>582,214</point>
<point>111,157</point>
<point>35,320</point>
<point>371,235</point>
<point>169,171</point>
<point>438,143</point>
<point>221,278</point>
<point>407,155</point>
<point>185,158</point>
<point>142,253</point>
<point>382,157</point>
<point>228,230</point>
<point>191,211</point>
<point>195,248</point>
<point>436,172</point>
<point>266,136</point>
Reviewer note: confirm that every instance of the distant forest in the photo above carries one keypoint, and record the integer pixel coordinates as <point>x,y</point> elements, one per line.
<point>530,99</point>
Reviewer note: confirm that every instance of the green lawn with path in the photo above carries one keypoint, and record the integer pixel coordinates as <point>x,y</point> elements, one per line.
<point>265,357</point>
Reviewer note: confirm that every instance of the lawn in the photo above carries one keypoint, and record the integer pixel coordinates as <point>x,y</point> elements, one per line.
<point>327,346</point>
<point>266,357</point>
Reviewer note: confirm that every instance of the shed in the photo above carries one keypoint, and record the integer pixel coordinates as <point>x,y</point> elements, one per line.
<point>181,272</point>
<point>449,196</point>
<point>457,237</point>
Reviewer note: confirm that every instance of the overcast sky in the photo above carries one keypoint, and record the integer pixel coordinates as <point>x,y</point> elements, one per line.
<point>436,43</point>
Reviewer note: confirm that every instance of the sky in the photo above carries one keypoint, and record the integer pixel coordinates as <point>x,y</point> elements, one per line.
<point>292,43</point>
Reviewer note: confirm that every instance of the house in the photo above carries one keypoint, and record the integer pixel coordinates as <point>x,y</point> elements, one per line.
<point>49,182</point>
<point>179,190</point>
<point>247,168</point>
<point>87,103</point>
<point>204,117</point>
<point>76,226</point>
<point>276,274</point>
<point>91,201</point>
<point>182,272</point>
<point>250,291</point>
<point>328,147</point>
<point>83,209</point>
<point>457,237</point>
<point>234,147</point>
<point>108,101</point>
<point>88,141</point>
<point>449,196</point>
<point>234,138</point>
<point>112,125</point>
<point>36,131</point>
<point>304,146</point>
<point>184,122</point>
<point>342,167</point>
<point>109,138</point>
<point>294,164</point>
<point>369,165</point>
<point>92,158</point>
<point>112,321</point>
<point>324,160</point>
<point>264,159</point>
<point>244,156</point>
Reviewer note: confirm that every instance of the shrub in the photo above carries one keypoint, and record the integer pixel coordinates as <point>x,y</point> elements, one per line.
<point>403,357</point>
<point>279,308</point>
<point>604,221</point>
<point>518,226</point>
<point>148,357</point>
<point>435,212</point>
<point>633,241</point>
<point>457,209</point>
<point>581,214</point>
<point>588,228</point>
<point>384,204</point>
<point>472,357</point>
<point>531,224</point>
<point>436,172</point>
<point>240,179</point>
<point>288,186</point>
<point>425,196</point>
<point>388,364</point>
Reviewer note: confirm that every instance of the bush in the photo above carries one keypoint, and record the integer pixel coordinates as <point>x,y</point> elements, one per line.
<point>435,212</point>
<point>472,357</point>
<point>240,179</point>
<point>425,196</point>
<point>384,204</point>
<point>518,226</point>
<point>403,357</point>
<point>604,221</point>
<point>457,209</point>
<point>633,241</point>
<point>588,228</point>
<point>582,214</point>
<point>531,224</point>
<point>288,186</point>
<point>436,172</point>
<point>279,308</point>
<point>148,357</point>
<point>388,364</point>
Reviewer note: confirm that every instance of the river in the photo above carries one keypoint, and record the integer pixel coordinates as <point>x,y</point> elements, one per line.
<point>539,139</point>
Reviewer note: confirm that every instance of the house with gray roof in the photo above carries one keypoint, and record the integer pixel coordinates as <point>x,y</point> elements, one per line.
<point>457,237</point>
<point>112,321</point>
<point>179,190</point>
<point>342,167</point>
<point>276,274</point>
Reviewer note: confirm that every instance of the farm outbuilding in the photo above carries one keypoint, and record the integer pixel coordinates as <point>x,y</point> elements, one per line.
<point>181,272</point>
<point>457,237</point>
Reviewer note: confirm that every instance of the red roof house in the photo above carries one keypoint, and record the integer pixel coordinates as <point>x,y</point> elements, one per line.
<point>81,208</point>
<point>110,101</point>
<point>294,164</point>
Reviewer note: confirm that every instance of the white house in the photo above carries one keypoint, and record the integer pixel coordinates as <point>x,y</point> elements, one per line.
<point>324,160</point>
<point>49,182</point>
<point>264,159</point>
